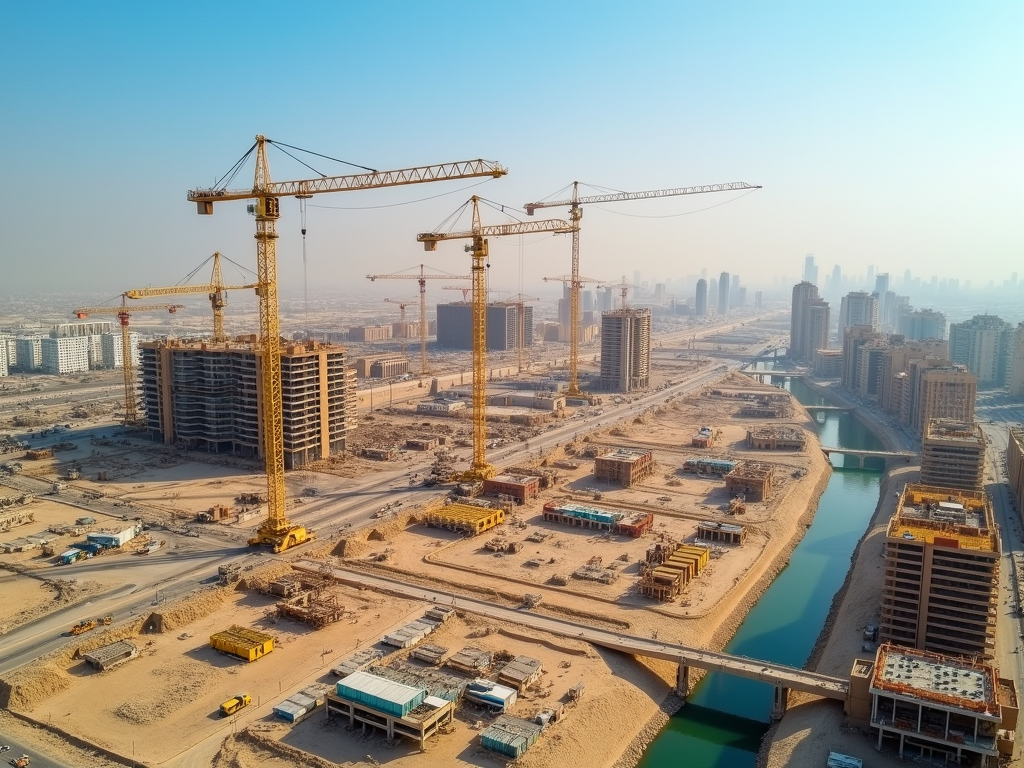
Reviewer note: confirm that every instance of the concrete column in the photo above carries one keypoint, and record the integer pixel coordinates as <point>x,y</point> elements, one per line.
<point>682,680</point>
<point>902,737</point>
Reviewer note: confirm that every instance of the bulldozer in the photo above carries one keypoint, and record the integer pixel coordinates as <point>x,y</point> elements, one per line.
<point>82,627</point>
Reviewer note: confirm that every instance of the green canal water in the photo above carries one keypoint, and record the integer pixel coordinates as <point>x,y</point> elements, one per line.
<point>724,719</point>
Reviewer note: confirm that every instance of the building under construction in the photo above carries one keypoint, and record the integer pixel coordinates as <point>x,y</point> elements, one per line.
<point>938,708</point>
<point>205,396</point>
<point>953,455</point>
<point>941,572</point>
<point>455,326</point>
<point>776,438</point>
<point>626,350</point>
<point>750,479</point>
<point>624,466</point>
<point>1015,464</point>
<point>465,518</point>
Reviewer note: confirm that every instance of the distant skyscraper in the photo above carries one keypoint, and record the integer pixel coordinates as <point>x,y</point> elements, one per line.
<point>757,300</point>
<point>882,283</point>
<point>921,324</point>
<point>810,270</point>
<point>712,289</point>
<point>702,298</point>
<point>723,293</point>
<point>808,329</point>
<point>870,279</point>
<point>837,280</point>
<point>1017,365</point>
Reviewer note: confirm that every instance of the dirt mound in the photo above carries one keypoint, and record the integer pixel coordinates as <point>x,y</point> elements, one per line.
<point>259,578</point>
<point>176,685</point>
<point>192,608</point>
<point>25,688</point>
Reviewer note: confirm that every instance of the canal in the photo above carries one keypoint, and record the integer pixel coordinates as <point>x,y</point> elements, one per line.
<point>725,718</point>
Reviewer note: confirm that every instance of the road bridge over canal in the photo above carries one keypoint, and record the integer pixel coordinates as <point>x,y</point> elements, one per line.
<point>906,456</point>
<point>783,678</point>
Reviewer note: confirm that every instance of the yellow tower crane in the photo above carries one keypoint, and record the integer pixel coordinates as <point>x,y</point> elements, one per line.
<point>401,321</point>
<point>277,531</point>
<point>422,278</point>
<point>480,469</point>
<point>123,314</point>
<point>575,216</point>
<point>216,290</point>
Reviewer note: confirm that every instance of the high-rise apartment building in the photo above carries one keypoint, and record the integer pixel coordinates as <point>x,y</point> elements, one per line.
<point>206,396</point>
<point>10,343</point>
<point>944,393</point>
<point>91,328</point>
<point>983,344</point>
<point>809,322</point>
<point>896,365</point>
<point>712,290</point>
<point>3,357</point>
<point>858,308</point>
<point>113,349</point>
<point>1015,465</point>
<point>758,300</point>
<point>723,294</point>
<point>921,324</point>
<point>30,353</point>
<point>701,299</point>
<point>455,326</point>
<point>941,572</point>
<point>1017,363</point>
<point>854,338</point>
<point>953,455</point>
<point>64,355</point>
<point>626,350</point>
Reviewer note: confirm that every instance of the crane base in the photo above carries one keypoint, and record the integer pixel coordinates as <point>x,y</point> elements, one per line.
<point>281,541</point>
<point>474,474</point>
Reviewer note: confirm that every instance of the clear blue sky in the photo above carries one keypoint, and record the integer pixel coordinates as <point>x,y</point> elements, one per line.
<point>883,133</point>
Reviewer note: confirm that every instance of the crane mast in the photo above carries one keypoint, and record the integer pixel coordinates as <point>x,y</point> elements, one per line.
<point>401,319</point>
<point>576,216</point>
<point>216,290</point>
<point>277,531</point>
<point>480,469</point>
<point>123,314</point>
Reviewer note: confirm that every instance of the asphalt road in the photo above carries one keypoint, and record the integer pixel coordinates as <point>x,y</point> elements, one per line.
<point>17,749</point>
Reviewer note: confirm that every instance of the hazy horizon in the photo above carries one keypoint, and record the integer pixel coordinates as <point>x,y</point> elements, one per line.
<point>882,135</point>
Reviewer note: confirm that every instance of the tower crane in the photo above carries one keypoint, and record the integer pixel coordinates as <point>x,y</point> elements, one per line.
<point>215,288</point>
<point>575,216</point>
<point>123,314</point>
<point>277,531</point>
<point>480,469</point>
<point>624,287</point>
<point>422,278</point>
<point>520,300</point>
<point>467,290</point>
<point>401,317</point>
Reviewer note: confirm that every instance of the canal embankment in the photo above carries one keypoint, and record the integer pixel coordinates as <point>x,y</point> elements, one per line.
<point>813,727</point>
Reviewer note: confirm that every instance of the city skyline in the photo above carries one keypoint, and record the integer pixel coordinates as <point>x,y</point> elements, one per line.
<point>867,127</point>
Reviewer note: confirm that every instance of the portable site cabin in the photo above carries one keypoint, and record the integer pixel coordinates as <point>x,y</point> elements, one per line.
<point>246,644</point>
<point>510,736</point>
<point>395,699</point>
<point>491,694</point>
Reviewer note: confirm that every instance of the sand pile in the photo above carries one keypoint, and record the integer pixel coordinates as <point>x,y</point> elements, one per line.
<point>24,688</point>
<point>253,747</point>
<point>192,608</point>
<point>260,578</point>
<point>175,686</point>
<point>356,544</point>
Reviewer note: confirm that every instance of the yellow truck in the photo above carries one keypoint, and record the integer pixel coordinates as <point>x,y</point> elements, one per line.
<point>234,704</point>
<point>82,627</point>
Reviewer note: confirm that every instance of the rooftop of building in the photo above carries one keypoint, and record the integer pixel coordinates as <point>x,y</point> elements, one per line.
<point>628,312</point>
<point>958,431</point>
<point>926,513</point>
<point>247,343</point>
<point>777,430</point>
<point>515,479</point>
<point>940,680</point>
<point>752,469</point>
<point>464,512</point>
<point>625,454</point>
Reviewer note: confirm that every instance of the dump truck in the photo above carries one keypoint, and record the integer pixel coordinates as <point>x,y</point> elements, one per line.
<point>234,704</point>
<point>20,762</point>
<point>82,627</point>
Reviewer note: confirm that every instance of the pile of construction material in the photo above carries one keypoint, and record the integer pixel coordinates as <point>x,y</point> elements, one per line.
<point>500,544</point>
<point>669,568</point>
<point>471,660</point>
<point>308,598</point>
<point>592,570</point>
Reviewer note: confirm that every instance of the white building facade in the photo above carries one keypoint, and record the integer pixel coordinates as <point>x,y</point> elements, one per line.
<point>64,355</point>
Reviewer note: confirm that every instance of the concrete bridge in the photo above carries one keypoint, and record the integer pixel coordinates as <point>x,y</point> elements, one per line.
<point>783,678</point>
<point>906,456</point>
<point>828,408</point>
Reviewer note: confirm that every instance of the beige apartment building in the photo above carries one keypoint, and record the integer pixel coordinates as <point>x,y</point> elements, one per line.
<point>953,455</point>
<point>941,572</point>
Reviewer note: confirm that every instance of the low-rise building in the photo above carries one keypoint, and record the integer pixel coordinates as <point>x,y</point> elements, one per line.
<point>953,455</point>
<point>751,479</point>
<point>522,488</point>
<point>441,406</point>
<point>465,518</point>
<point>624,466</point>
<point>369,333</point>
<point>776,438</point>
<point>704,438</point>
<point>932,706</point>
<point>712,530</point>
